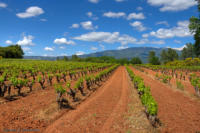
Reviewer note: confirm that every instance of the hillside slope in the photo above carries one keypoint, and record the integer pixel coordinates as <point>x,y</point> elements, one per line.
<point>129,53</point>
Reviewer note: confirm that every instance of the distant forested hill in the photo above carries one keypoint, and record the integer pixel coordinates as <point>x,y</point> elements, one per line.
<point>129,53</point>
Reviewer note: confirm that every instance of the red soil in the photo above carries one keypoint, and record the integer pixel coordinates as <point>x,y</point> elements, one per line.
<point>177,112</point>
<point>187,85</point>
<point>103,112</point>
<point>34,111</point>
<point>28,112</point>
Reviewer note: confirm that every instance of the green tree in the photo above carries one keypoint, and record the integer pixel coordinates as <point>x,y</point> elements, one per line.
<point>188,51</point>
<point>136,60</point>
<point>169,55</point>
<point>164,56</point>
<point>151,55</point>
<point>172,54</point>
<point>65,58</point>
<point>12,51</point>
<point>75,58</point>
<point>194,27</point>
<point>123,61</point>
<point>153,59</point>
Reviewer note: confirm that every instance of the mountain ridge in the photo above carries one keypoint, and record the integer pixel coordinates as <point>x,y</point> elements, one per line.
<point>128,53</point>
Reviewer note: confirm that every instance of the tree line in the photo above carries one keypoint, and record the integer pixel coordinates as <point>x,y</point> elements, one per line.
<point>12,51</point>
<point>166,55</point>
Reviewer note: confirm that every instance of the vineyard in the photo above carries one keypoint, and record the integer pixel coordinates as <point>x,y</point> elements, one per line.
<point>56,96</point>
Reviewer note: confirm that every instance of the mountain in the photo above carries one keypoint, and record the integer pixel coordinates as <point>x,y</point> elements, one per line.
<point>129,53</point>
<point>51,58</point>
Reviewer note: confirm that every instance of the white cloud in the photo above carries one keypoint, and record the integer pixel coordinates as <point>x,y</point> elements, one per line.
<point>29,52</point>
<point>89,14</point>
<point>94,48</point>
<point>122,47</point>
<point>157,42</point>
<point>139,8</point>
<point>136,16</point>
<point>63,41</point>
<point>172,5</point>
<point>31,12</point>
<point>94,1</point>
<point>147,41</point>
<point>27,41</point>
<point>49,49</point>
<point>26,49</point>
<point>119,0</point>
<point>63,54</point>
<point>9,42</point>
<point>107,37</point>
<point>3,5</point>
<point>102,46</point>
<point>145,35</point>
<point>163,23</point>
<point>61,47</point>
<point>49,55</point>
<point>181,30</point>
<point>114,15</point>
<point>177,41</point>
<point>115,37</point>
<point>138,25</point>
<point>43,20</point>
<point>88,25</point>
<point>80,53</point>
<point>181,48</point>
<point>75,26</point>
<point>123,15</point>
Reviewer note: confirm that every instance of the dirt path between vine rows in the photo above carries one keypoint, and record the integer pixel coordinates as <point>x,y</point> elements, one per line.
<point>177,112</point>
<point>34,112</point>
<point>188,88</point>
<point>113,108</point>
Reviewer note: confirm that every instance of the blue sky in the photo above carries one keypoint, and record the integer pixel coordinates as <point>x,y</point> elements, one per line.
<point>66,27</point>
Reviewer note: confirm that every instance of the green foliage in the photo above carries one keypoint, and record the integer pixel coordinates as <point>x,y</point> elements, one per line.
<point>79,83</point>
<point>194,27</point>
<point>166,78</point>
<point>59,89</point>
<point>65,58</point>
<point>141,87</point>
<point>146,97</point>
<point>169,55</point>
<point>153,59</point>
<point>39,79</point>
<point>87,78</point>
<point>75,58</point>
<point>157,76</point>
<point>186,62</point>
<point>136,60</point>
<point>18,82</point>
<point>13,51</point>
<point>195,81</point>
<point>123,61</point>
<point>131,74</point>
<point>179,85</point>
<point>68,84</point>
<point>188,51</point>
<point>106,59</point>
<point>151,55</point>
<point>150,103</point>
